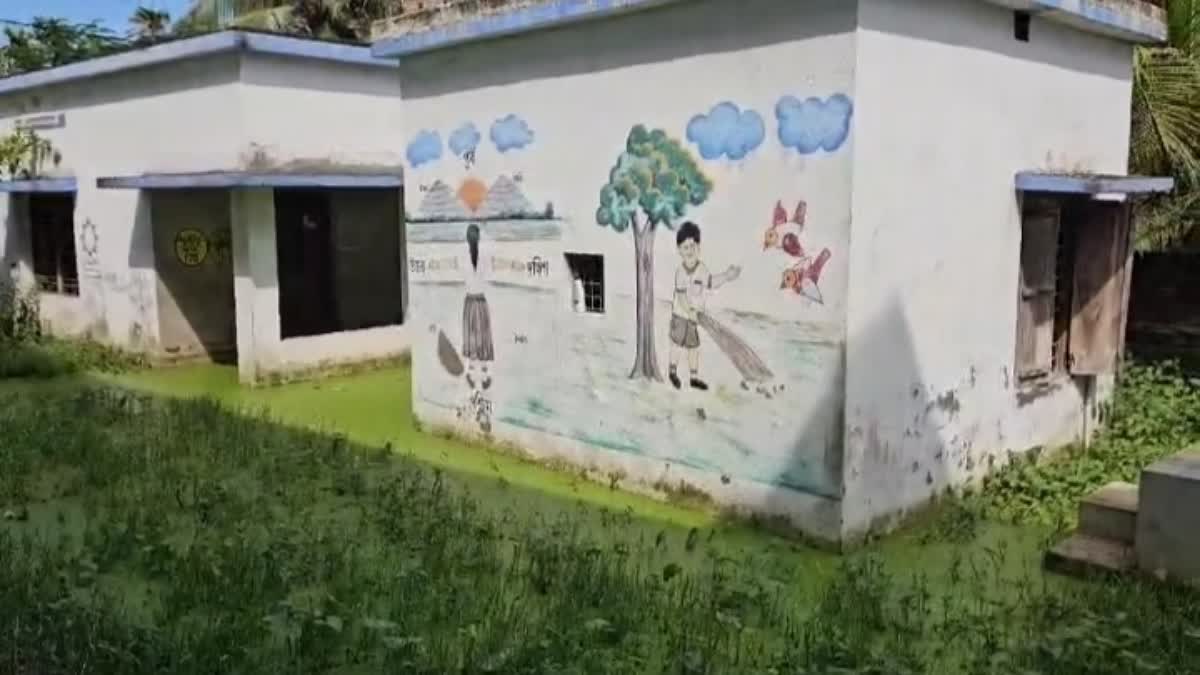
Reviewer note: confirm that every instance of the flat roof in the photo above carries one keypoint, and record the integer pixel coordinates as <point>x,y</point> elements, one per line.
<point>196,47</point>
<point>1092,184</point>
<point>1130,20</point>
<point>549,14</point>
<point>247,179</point>
<point>39,185</point>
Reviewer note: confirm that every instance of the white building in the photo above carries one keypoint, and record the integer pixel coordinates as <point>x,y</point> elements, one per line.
<point>231,195</point>
<point>913,238</point>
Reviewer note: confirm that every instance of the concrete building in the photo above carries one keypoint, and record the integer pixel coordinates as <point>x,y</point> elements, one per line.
<point>231,195</point>
<point>821,260</point>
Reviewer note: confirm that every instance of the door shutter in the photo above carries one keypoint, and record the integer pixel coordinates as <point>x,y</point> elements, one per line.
<point>1099,292</point>
<point>1040,224</point>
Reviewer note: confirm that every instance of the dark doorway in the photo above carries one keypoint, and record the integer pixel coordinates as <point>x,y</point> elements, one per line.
<point>52,225</point>
<point>304,250</point>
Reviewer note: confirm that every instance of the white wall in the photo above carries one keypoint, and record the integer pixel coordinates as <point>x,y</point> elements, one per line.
<point>204,114</point>
<point>561,382</point>
<point>949,111</point>
<point>307,110</point>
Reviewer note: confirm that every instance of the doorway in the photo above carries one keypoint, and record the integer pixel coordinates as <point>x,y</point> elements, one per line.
<point>304,251</point>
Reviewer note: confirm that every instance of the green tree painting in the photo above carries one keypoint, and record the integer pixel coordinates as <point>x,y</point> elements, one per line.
<point>655,180</point>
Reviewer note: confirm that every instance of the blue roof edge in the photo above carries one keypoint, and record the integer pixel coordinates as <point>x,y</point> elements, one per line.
<point>1092,184</point>
<point>1126,20</point>
<point>189,48</point>
<point>243,179</point>
<point>39,185</point>
<point>541,16</point>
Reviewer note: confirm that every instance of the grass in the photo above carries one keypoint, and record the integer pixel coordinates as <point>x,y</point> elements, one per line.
<point>148,533</point>
<point>51,357</point>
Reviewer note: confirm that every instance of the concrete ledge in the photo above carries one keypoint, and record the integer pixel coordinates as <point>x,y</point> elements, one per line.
<point>1110,513</point>
<point>60,185</point>
<point>197,47</point>
<point>1168,526</point>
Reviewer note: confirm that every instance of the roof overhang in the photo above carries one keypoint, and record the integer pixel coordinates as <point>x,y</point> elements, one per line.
<point>190,48</point>
<point>249,179</point>
<point>1094,185</point>
<point>1131,20</point>
<point>539,16</point>
<point>45,185</point>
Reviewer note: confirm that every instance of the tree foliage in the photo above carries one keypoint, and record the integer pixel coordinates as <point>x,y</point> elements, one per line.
<point>150,25</point>
<point>47,43</point>
<point>339,19</point>
<point>655,178</point>
<point>1165,138</point>
<point>23,155</point>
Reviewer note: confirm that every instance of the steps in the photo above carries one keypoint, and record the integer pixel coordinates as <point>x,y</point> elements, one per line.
<point>1105,539</point>
<point>1081,554</point>
<point>1111,513</point>
<point>1153,527</point>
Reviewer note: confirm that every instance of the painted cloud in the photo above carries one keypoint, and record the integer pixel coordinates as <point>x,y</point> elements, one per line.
<point>727,131</point>
<point>813,124</point>
<point>464,140</point>
<point>511,133</point>
<point>425,148</point>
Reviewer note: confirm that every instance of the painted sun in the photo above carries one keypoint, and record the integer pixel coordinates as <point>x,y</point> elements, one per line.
<point>472,192</point>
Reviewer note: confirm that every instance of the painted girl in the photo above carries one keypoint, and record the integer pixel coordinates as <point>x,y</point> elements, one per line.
<point>477,320</point>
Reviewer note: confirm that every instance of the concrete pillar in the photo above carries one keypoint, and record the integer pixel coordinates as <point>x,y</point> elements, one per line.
<point>256,281</point>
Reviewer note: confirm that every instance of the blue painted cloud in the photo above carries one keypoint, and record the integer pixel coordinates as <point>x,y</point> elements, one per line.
<point>464,140</point>
<point>727,131</point>
<point>425,148</point>
<point>813,124</point>
<point>511,133</point>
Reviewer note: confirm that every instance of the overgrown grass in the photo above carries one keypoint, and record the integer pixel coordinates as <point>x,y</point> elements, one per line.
<point>158,535</point>
<point>26,351</point>
<point>1155,412</point>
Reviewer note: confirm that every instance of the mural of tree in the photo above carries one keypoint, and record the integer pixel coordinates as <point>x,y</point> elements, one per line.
<point>652,185</point>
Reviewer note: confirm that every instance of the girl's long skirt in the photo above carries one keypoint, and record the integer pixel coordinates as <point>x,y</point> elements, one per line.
<point>477,329</point>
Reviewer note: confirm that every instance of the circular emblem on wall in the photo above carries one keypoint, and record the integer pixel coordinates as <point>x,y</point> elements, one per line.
<point>191,247</point>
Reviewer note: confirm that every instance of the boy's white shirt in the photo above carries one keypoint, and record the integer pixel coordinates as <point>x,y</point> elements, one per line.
<point>690,290</point>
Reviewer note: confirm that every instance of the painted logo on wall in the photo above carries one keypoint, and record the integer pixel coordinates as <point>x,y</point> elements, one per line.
<point>191,247</point>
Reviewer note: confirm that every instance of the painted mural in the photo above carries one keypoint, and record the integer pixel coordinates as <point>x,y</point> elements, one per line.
<point>678,368</point>
<point>802,275</point>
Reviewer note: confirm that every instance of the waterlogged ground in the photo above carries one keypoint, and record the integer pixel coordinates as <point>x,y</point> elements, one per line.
<point>311,529</point>
<point>375,409</point>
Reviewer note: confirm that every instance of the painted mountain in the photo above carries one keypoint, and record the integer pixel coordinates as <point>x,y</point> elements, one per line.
<point>505,200</point>
<point>442,203</point>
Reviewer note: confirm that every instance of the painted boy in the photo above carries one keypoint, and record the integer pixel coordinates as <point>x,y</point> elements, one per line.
<point>692,282</point>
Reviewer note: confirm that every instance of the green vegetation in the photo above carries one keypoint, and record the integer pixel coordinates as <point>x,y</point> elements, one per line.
<point>148,534</point>
<point>1155,412</point>
<point>26,352</point>
<point>1165,138</point>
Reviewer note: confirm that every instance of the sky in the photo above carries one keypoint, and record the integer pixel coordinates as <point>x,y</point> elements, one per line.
<point>114,14</point>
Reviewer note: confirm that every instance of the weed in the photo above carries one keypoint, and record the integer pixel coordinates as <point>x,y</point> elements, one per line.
<point>1154,412</point>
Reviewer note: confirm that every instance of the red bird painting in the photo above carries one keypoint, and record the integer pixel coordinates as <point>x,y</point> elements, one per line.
<point>803,277</point>
<point>775,237</point>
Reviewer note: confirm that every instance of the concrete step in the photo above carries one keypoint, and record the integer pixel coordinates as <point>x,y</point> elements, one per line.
<point>1081,554</point>
<point>1110,513</point>
<point>1168,531</point>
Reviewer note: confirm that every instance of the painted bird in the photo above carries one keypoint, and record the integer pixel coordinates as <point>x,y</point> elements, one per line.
<point>774,236</point>
<point>804,278</point>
